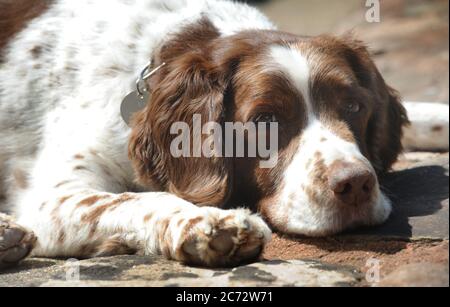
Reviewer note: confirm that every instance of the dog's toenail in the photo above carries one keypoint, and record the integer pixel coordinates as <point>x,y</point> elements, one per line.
<point>208,230</point>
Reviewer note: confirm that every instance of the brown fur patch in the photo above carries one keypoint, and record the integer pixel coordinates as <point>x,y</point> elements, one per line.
<point>93,216</point>
<point>226,220</point>
<point>62,200</point>
<point>62,183</point>
<point>92,200</point>
<point>93,152</point>
<point>179,252</point>
<point>342,130</point>
<point>113,247</point>
<point>16,14</point>
<point>36,51</point>
<point>86,250</point>
<point>123,198</point>
<point>61,237</point>
<point>318,191</point>
<point>165,238</point>
<point>189,225</point>
<point>148,217</point>
<point>80,168</point>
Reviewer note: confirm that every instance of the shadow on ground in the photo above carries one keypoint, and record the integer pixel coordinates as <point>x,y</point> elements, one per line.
<point>420,203</point>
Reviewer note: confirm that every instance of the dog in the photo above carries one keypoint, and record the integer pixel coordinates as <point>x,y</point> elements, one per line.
<point>82,183</point>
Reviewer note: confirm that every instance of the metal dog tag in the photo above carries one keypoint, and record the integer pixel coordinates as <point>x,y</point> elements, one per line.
<point>133,103</point>
<point>137,100</point>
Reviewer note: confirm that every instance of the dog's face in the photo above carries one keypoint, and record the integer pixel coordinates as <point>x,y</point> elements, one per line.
<point>339,126</point>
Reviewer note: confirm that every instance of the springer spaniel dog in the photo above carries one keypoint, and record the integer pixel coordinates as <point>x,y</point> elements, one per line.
<point>82,183</point>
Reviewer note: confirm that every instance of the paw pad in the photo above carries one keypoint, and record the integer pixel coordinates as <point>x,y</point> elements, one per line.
<point>16,243</point>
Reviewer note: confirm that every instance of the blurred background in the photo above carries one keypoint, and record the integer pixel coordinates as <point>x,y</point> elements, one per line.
<point>410,44</point>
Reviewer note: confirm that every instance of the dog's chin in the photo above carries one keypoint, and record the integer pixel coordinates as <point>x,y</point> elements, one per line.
<point>338,221</point>
<point>381,210</point>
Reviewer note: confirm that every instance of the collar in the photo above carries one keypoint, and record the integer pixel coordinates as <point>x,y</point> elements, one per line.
<point>146,73</point>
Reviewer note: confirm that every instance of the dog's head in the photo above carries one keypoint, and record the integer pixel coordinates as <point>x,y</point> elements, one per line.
<point>339,126</point>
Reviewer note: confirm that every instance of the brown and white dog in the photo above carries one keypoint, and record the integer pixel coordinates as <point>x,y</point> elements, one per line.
<point>88,185</point>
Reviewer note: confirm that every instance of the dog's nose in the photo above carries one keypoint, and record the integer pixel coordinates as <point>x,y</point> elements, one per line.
<point>353,184</point>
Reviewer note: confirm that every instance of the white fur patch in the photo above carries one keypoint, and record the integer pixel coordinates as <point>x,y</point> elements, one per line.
<point>297,67</point>
<point>429,129</point>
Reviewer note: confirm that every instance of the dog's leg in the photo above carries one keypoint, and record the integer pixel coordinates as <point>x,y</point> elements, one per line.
<point>86,223</point>
<point>16,242</point>
<point>73,217</point>
<point>429,129</point>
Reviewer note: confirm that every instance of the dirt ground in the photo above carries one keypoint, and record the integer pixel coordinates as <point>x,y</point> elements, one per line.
<point>356,252</point>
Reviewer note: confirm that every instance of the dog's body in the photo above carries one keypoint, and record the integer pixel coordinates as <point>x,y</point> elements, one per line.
<point>66,168</point>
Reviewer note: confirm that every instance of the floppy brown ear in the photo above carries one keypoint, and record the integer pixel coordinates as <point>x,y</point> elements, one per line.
<point>388,123</point>
<point>385,129</point>
<point>186,86</point>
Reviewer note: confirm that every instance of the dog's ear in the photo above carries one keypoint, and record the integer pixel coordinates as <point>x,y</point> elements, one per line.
<point>190,84</point>
<point>385,129</point>
<point>388,122</point>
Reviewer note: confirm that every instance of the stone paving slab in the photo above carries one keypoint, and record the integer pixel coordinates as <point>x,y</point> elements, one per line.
<point>138,271</point>
<point>418,275</point>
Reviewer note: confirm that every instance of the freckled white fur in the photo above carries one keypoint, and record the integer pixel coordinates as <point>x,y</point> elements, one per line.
<point>66,102</point>
<point>429,126</point>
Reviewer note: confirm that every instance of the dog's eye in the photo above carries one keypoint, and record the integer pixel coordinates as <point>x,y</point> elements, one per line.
<point>266,118</point>
<point>353,107</point>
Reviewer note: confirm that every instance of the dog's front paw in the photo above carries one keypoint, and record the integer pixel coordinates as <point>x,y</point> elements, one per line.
<point>16,242</point>
<point>223,238</point>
